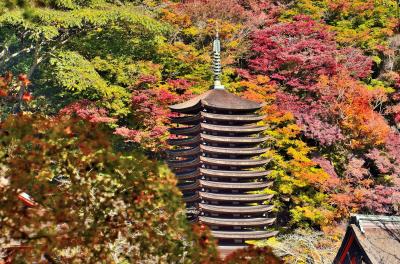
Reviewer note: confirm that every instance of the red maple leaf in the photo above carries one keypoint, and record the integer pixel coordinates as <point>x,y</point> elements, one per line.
<point>24,79</point>
<point>27,97</point>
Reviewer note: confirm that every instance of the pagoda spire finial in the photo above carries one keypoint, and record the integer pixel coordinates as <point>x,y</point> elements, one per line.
<point>217,61</point>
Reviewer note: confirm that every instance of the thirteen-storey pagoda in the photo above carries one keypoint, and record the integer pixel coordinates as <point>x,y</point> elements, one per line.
<point>214,156</point>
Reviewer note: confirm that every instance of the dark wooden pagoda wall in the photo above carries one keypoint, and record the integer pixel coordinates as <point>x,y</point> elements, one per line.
<point>214,157</point>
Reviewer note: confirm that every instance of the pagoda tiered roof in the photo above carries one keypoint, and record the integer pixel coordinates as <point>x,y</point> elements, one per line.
<point>235,162</point>
<point>247,235</point>
<point>187,120</point>
<point>213,161</point>
<point>234,174</point>
<point>205,116</point>
<point>233,151</point>
<point>194,130</point>
<point>190,141</point>
<point>215,153</point>
<point>188,174</point>
<point>192,151</point>
<point>216,99</point>
<point>232,129</point>
<point>244,118</point>
<point>232,140</point>
<point>189,186</point>
<point>184,163</point>
<point>234,185</point>
<point>235,197</point>
<point>191,198</point>
<point>243,222</point>
<point>235,209</point>
<point>191,130</point>
<point>197,173</point>
<point>195,140</point>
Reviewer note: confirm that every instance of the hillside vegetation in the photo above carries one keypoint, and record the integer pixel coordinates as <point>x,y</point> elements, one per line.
<point>84,90</point>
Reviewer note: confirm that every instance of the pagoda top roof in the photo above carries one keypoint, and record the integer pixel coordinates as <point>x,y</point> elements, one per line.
<point>216,99</point>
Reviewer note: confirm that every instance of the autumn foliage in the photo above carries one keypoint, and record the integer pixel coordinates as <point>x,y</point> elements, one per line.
<point>91,202</point>
<point>84,94</point>
<point>340,116</point>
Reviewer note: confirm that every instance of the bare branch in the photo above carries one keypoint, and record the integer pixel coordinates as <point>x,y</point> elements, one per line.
<point>9,57</point>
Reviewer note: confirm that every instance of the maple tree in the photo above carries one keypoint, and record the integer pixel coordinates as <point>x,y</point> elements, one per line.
<point>299,185</point>
<point>363,23</point>
<point>296,53</point>
<point>149,117</point>
<point>352,103</point>
<point>337,113</point>
<point>89,203</point>
<point>327,71</point>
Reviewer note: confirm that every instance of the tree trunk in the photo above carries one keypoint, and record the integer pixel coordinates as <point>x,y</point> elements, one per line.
<point>22,88</point>
<point>388,63</point>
